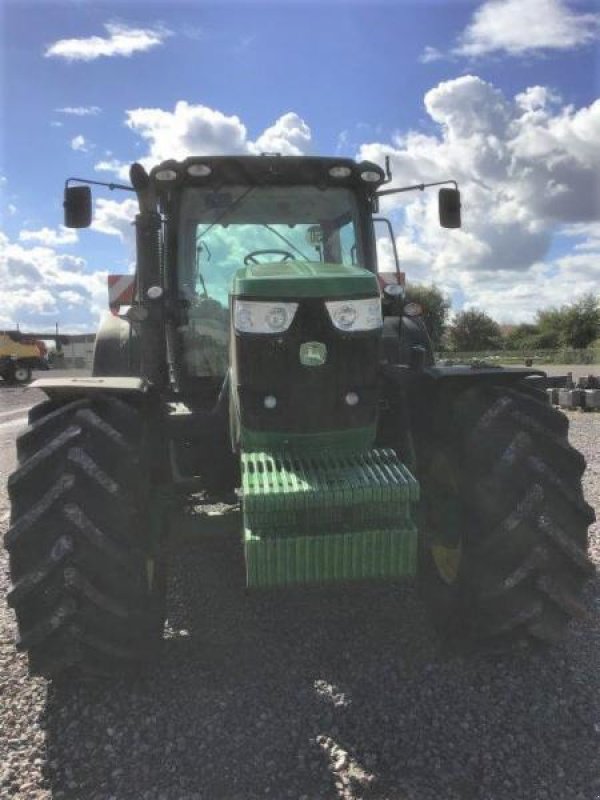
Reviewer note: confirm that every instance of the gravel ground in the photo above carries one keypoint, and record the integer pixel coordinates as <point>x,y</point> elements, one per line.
<point>306,695</point>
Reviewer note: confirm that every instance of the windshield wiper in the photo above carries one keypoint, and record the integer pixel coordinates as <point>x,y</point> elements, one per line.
<point>198,274</point>
<point>228,210</point>
<point>287,241</point>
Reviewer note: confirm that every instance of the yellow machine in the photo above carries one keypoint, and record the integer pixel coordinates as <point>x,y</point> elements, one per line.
<point>19,355</point>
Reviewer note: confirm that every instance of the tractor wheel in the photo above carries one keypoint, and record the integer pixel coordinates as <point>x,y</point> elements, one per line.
<point>504,518</point>
<point>88,580</point>
<point>22,373</point>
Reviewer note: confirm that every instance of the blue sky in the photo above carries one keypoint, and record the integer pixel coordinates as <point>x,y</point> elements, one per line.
<point>500,94</point>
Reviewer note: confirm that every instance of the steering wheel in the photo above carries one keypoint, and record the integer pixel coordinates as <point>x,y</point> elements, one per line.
<point>251,257</point>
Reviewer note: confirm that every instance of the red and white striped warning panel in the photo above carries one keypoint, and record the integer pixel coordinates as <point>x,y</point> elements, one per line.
<point>120,290</point>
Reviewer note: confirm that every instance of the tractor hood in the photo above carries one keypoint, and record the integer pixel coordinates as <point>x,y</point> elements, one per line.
<point>299,279</point>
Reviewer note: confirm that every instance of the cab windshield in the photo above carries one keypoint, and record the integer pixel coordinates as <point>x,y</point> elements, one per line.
<point>235,226</point>
<point>224,230</point>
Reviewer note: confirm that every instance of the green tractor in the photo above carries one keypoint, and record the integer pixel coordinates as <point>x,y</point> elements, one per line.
<point>261,357</point>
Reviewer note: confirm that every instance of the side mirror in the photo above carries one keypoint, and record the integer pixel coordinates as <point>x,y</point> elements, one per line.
<point>449,208</point>
<point>78,206</point>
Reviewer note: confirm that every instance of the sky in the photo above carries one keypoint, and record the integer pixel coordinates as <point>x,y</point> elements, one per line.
<point>500,95</point>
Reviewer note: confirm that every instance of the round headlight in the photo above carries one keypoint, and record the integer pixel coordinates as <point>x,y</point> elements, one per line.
<point>413,309</point>
<point>243,318</point>
<point>370,176</point>
<point>199,170</point>
<point>393,290</point>
<point>276,318</point>
<point>154,292</point>
<point>340,172</point>
<point>165,175</point>
<point>345,316</point>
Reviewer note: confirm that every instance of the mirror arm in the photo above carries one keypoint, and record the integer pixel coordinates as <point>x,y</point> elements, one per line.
<point>391,232</point>
<point>111,186</point>
<point>419,186</point>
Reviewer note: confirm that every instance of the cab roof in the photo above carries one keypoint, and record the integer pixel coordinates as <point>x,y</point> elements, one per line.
<point>270,168</point>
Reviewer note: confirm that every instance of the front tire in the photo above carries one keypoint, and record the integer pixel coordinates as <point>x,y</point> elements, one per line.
<point>87,574</point>
<point>504,518</point>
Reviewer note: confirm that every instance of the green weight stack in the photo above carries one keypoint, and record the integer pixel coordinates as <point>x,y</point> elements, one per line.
<point>332,517</point>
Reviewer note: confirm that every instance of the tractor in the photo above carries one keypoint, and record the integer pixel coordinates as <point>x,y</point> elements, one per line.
<point>20,355</point>
<point>263,354</point>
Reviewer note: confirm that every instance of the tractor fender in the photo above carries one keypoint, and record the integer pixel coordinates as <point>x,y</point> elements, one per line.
<point>115,368</point>
<point>401,335</point>
<point>65,388</point>
<point>116,351</point>
<point>476,374</point>
<point>416,399</point>
<point>400,376</point>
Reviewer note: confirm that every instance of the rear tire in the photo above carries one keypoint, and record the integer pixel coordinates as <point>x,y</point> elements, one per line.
<point>87,573</point>
<point>504,520</point>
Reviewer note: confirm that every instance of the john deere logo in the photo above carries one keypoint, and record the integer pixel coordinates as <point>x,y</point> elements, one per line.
<point>313,354</point>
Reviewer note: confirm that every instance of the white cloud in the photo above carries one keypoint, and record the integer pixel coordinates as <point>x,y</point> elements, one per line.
<point>554,283</point>
<point>115,218</point>
<point>528,170</point>
<point>79,111</point>
<point>71,298</point>
<point>290,136</point>
<point>121,41</point>
<point>516,27</point>
<point>537,98</point>
<point>42,286</point>
<point>12,209</point>
<point>430,54</point>
<point>588,233</point>
<point>49,237</point>
<point>189,129</point>
<point>114,166</point>
<point>80,143</point>
<point>200,130</point>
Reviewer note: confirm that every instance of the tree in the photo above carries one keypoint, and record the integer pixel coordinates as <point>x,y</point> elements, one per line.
<point>581,324</point>
<point>576,325</point>
<point>435,309</point>
<point>474,330</point>
<point>522,337</point>
<point>550,325</point>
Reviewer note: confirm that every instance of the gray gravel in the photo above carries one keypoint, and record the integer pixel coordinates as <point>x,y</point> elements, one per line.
<point>307,695</point>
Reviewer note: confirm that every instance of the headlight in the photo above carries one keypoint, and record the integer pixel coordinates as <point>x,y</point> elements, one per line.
<point>259,317</point>
<point>356,315</point>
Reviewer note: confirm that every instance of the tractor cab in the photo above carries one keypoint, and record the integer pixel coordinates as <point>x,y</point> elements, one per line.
<point>274,279</point>
<point>230,234</point>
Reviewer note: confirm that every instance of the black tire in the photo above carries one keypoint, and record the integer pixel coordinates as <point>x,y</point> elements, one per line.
<point>88,586</point>
<point>503,517</point>
<point>8,371</point>
<point>22,373</point>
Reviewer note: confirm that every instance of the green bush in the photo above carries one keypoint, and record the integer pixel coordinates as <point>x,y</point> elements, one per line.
<point>588,355</point>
